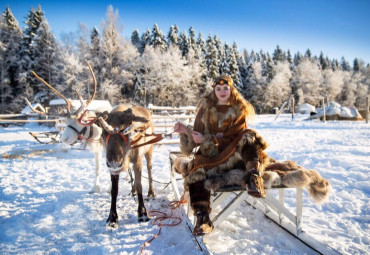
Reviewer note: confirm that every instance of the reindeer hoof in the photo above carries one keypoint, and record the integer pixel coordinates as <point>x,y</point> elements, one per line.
<point>112,224</point>
<point>143,218</point>
<point>95,189</point>
<point>151,194</point>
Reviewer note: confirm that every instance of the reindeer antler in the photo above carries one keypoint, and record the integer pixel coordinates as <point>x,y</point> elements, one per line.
<point>94,79</point>
<point>69,105</point>
<point>108,127</point>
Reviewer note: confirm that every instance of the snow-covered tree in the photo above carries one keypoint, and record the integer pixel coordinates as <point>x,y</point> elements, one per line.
<point>278,90</point>
<point>163,78</point>
<point>26,79</point>
<point>158,40</point>
<point>172,37</point>
<point>256,86</point>
<point>345,64</point>
<point>278,55</point>
<point>211,59</point>
<point>192,40</point>
<point>307,82</point>
<point>112,58</point>
<point>135,39</point>
<point>184,43</point>
<point>45,52</point>
<point>201,44</point>
<point>333,82</point>
<point>10,40</point>
<point>145,40</point>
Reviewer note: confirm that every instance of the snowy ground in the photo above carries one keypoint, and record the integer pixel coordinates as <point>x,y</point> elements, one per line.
<point>45,207</point>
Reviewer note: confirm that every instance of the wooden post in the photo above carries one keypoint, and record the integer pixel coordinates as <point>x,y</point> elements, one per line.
<point>367,109</point>
<point>292,107</point>
<point>323,110</point>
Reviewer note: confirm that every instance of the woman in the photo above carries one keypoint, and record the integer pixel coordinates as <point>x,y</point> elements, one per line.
<point>219,126</point>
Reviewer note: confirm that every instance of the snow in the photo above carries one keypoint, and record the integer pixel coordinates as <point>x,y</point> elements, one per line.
<point>336,109</point>
<point>45,207</point>
<point>306,108</point>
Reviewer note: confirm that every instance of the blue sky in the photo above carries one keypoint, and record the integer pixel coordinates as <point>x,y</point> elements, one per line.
<point>335,27</point>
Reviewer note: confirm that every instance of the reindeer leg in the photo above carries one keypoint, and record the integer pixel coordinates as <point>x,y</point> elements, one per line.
<point>96,187</point>
<point>148,157</point>
<point>142,214</point>
<point>113,216</point>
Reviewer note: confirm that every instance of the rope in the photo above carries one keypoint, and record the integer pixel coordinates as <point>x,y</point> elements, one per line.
<point>162,216</point>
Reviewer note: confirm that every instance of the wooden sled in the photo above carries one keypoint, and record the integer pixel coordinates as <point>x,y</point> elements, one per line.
<point>46,137</point>
<point>272,207</point>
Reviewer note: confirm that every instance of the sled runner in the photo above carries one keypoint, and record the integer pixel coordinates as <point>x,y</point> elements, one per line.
<point>271,206</point>
<point>46,137</point>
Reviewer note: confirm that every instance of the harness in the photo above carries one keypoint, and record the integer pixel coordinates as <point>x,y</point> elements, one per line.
<point>139,136</point>
<point>85,125</point>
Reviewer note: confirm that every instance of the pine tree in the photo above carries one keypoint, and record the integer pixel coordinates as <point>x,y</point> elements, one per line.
<point>135,39</point>
<point>192,41</point>
<point>289,59</point>
<point>172,37</point>
<point>308,54</point>
<point>297,58</point>
<point>10,39</point>
<point>94,59</point>
<point>233,67</point>
<point>184,44</point>
<point>112,57</point>
<point>157,40</point>
<point>145,40</point>
<point>45,59</point>
<point>212,59</point>
<point>345,65</point>
<point>26,79</point>
<point>278,55</point>
<point>201,44</point>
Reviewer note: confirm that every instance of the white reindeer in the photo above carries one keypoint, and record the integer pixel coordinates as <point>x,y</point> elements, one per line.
<point>81,125</point>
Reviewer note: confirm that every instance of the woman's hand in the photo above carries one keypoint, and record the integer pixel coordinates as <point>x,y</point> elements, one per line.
<point>197,137</point>
<point>180,128</point>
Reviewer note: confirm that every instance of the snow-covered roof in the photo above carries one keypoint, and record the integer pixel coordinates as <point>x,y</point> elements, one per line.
<point>306,108</point>
<point>334,108</point>
<point>36,106</point>
<point>94,105</point>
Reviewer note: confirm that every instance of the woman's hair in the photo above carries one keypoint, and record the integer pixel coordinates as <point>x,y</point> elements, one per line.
<point>235,98</point>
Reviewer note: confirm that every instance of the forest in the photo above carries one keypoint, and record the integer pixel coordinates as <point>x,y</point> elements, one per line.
<point>173,69</point>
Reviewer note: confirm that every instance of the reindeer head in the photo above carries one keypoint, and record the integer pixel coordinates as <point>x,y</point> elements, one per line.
<point>119,130</point>
<point>75,121</point>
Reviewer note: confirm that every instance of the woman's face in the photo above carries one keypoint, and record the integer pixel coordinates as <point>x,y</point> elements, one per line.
<point>222,93</point>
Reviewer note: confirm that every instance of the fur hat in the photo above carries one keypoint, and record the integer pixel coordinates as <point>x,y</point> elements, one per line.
<point>223,79</point>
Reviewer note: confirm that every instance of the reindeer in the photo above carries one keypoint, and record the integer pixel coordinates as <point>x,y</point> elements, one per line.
<point>125,135</point>
<point>82,125</point>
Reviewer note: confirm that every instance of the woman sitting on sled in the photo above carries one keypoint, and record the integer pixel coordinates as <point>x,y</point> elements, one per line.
<point>231,154</point>
<point>219,126</point>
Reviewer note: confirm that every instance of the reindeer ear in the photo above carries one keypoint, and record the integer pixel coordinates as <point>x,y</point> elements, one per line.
<point>139,119</point>
<point>104,114</point>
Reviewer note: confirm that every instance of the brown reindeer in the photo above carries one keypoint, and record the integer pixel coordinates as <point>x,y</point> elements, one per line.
<point>125,129</point>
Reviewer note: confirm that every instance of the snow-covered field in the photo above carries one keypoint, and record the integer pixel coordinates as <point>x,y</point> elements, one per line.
<point>45,207</point>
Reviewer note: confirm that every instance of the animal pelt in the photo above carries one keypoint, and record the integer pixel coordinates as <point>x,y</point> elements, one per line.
<point>187,143</point>
<point>291,175</point>
<point>249,155</point>
<point>279,174</point>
